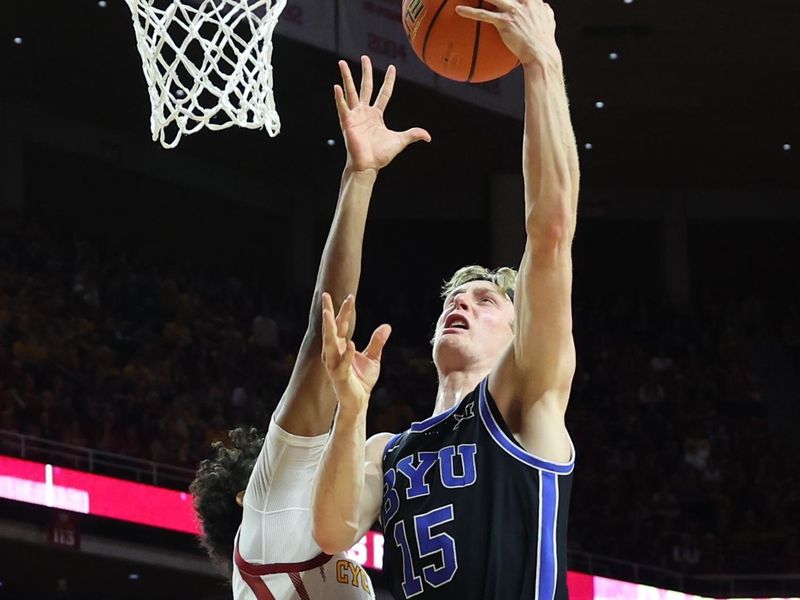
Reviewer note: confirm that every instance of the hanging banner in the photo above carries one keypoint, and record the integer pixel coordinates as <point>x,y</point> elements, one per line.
<point>310,21</point>
<point>374,27</point>
<point>504,95</point>
<point>351,28</point>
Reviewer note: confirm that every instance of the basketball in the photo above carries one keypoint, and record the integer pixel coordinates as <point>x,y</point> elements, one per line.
<point>453,46</point>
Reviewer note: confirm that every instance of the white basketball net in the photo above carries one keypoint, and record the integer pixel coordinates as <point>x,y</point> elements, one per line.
<point>207,64</point>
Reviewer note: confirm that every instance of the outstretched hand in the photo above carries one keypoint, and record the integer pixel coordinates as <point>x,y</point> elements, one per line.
<point>370,144</point>
<point>528,28</point>
<point>353,374</point>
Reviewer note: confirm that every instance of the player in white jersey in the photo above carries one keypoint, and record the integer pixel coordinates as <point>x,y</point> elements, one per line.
<point>253,498</point>
<point>275,530</point>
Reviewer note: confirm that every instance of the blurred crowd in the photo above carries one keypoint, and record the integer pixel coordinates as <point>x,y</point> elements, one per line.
<point>678,465</point>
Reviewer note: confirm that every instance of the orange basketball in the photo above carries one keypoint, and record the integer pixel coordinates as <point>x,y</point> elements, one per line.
<point>453,46</point>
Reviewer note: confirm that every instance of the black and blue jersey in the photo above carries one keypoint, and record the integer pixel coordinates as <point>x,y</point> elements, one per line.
<point>468,514</point>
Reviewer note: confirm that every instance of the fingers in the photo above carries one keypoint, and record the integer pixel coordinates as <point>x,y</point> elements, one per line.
<point>327,302</point>
<point>330,347</point>
<point>507,4</point>
<point>378,340</point>
<point>415,134</point>
<point>341,103</point>
<point>341,370</point>
<point>350,93</point>
<point>343,318</point>
<point>386,89</point>
<point>479,14</point>
<point>505,9</point>
<point>366,79</point>
<point>349,354</point>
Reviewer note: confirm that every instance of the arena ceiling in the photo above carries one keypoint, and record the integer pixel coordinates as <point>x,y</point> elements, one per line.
<point>702,92</point>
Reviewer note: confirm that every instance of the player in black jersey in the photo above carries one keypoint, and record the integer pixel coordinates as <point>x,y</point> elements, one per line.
<point>473,501</point>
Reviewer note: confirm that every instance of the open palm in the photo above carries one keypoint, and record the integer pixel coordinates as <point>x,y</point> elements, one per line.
<point>353,374</point>
<point>370,144</point>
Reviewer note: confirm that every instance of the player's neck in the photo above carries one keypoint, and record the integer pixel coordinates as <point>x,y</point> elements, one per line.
<point>453,386</point>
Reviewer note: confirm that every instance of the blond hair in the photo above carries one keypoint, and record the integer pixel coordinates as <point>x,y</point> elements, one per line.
<point>504,278</point>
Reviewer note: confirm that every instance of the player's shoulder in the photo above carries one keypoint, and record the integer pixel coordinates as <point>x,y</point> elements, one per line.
<point>376,445</point>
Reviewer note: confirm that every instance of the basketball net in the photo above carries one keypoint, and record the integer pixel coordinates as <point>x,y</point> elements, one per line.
<point>208,63</point>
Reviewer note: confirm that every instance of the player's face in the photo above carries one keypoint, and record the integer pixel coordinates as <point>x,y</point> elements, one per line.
<point>475,327</point>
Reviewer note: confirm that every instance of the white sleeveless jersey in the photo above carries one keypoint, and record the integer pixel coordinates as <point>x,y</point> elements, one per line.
<point>275,556</point>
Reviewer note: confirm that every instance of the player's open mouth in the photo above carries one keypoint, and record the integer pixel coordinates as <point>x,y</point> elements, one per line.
<point>455,323</point>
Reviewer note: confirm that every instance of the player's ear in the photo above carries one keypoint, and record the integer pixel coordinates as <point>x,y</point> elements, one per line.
<point>240,499</point>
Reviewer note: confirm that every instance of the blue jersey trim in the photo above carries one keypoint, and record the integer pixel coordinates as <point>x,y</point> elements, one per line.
<point>430,422</point>
<point>547,563</point>
<point>511,447</point>
<point>393,439</point>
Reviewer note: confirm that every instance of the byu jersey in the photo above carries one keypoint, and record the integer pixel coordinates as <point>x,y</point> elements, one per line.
<point>468,514</point>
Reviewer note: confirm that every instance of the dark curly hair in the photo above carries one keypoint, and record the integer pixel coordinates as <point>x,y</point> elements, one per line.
<point>214,490</point>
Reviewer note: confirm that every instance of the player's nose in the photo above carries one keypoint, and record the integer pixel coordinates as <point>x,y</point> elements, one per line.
<point>461,301</point>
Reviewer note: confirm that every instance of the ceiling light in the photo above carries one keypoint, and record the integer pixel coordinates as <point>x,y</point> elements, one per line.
<point>18,41</point>
<point>331,142</point>
<point>599,104</point>
<point>133,576</point>
<point>787,147</point>
<point>588,145</point>
<point>613,56</point>
<point>102,3</point>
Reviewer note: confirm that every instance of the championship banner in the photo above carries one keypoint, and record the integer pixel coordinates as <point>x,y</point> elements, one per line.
<point>310,21</point>
<point>375,28</point>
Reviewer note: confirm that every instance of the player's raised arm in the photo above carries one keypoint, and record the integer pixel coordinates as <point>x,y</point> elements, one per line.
<point>539,367</point>
<point>308,403</point>
<point>349,482</point>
